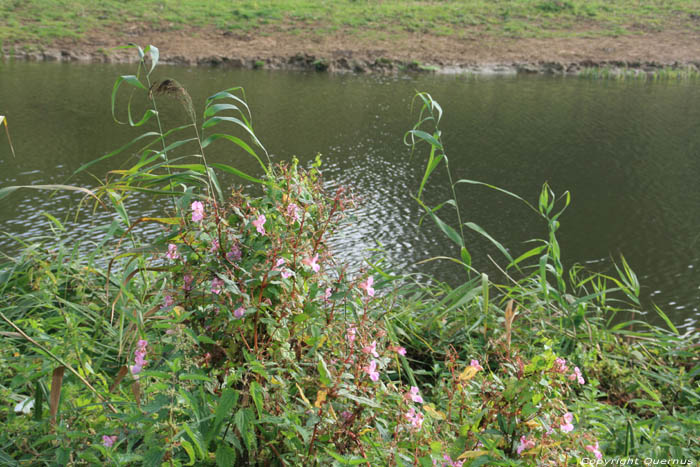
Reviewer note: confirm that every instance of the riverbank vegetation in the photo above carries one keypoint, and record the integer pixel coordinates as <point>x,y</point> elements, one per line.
<point>225,332</point>
<point>42,22</point>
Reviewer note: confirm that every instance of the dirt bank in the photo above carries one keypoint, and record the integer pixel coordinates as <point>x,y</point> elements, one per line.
<point>346,52</point>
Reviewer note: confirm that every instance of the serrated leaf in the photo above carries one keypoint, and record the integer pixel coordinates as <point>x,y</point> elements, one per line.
<point>225,455</point>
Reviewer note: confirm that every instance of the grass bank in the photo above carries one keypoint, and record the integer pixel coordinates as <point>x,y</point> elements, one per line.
<point>451,32</point>
<point>232,336</point>
<point>44,21</point>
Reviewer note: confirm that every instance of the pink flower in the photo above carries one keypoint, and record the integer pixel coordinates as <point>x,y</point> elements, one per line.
<point>168,300</point>
<point>576,375</point>
<point>414,396</point>
<point>560,365</point>
<point>327,294</point>
<point>367,286</point>
<point>525,443</point>
<point>400,351</point>
<point>284,272</point>
<point>139,357</point>
<point>187,279</point>
<point>475,364</point>
<point>172,252</point>
<point>371,349</point>
<point>197,211</point>
<point>234,254</point>
<point>214,246</point>
<point>312,263</point>
<point>371,370</point>
<point>416,418</point>
<point>293,212</point>
<point>448,462</point>
<point>259,223</point>
<point>216,285</point>
<point>350,333</point>
<point>595,449</point>
<point>108,441</point>
<point>567,427</point>
<point>239,312</point>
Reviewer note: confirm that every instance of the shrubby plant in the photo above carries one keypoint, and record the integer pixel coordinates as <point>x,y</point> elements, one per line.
<point>233,336</point>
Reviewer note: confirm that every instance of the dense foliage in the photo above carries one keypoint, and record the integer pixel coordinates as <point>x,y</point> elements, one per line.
<point>234,337</point>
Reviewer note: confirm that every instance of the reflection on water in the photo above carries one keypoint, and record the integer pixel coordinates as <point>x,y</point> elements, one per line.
<point>628,152</point>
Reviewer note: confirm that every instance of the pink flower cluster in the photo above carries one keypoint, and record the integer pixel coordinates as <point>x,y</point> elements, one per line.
<point>372,371</point>
<point>475,364</point>
<point>567,426</point>
<point>284,272</point>
<point>216,285</point>
<point>259,224</point>
<point>560,367</point>
<point>350,333</point>
<point>239,312</point>
<point>595,449</point>
<point>367,286</point>
<point>414,395</point>
<point>416,418</point>
<point>172,252</point>
<point>234,254</point>
<point>108,441</point>
<point>293,212</point>
<point>525,444</point>
<point>371,349</point>
<point>576,375</point>
<point>197,211</point>
<point>187,279</point>
<point>312,263</point>
<point>139,357</point>
<point>448,462</point>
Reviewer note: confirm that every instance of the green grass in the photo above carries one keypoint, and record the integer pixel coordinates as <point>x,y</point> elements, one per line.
<point>48,20</point>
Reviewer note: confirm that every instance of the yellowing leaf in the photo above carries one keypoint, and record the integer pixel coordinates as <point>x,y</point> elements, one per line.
<point>332,412</point>
<point>468,373</point>
<point>532,424</point>
<point>471,454</point>
<point>320,398</point>
<point>362,432</point>
<point>178,310</point>
<point>435,414</point>
<point>303,397</point>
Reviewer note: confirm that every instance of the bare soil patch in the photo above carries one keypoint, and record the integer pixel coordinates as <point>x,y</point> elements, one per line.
<point>278,48</point>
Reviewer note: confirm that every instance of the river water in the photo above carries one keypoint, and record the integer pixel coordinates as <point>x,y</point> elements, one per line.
<point>628,151</point>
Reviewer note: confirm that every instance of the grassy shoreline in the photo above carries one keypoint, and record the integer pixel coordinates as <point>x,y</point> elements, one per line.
<point>346,35</point>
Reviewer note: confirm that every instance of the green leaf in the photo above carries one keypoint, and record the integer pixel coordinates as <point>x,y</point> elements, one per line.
<point>666,320</point>
<point>194,377</point>
<point>446,229</point>
<point>427,137</point>
<point>235,171</point>
<point>225,455</point>
<point>344,460</point>
<point>153,457</point>
<point>323,373</point>
<point>466,257</point>
<point>228,400</point>
<point>257,396</point>
<point>197,440</point>
<point>478,229</point>
<point>187,446</point>
<point>155,54</point>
